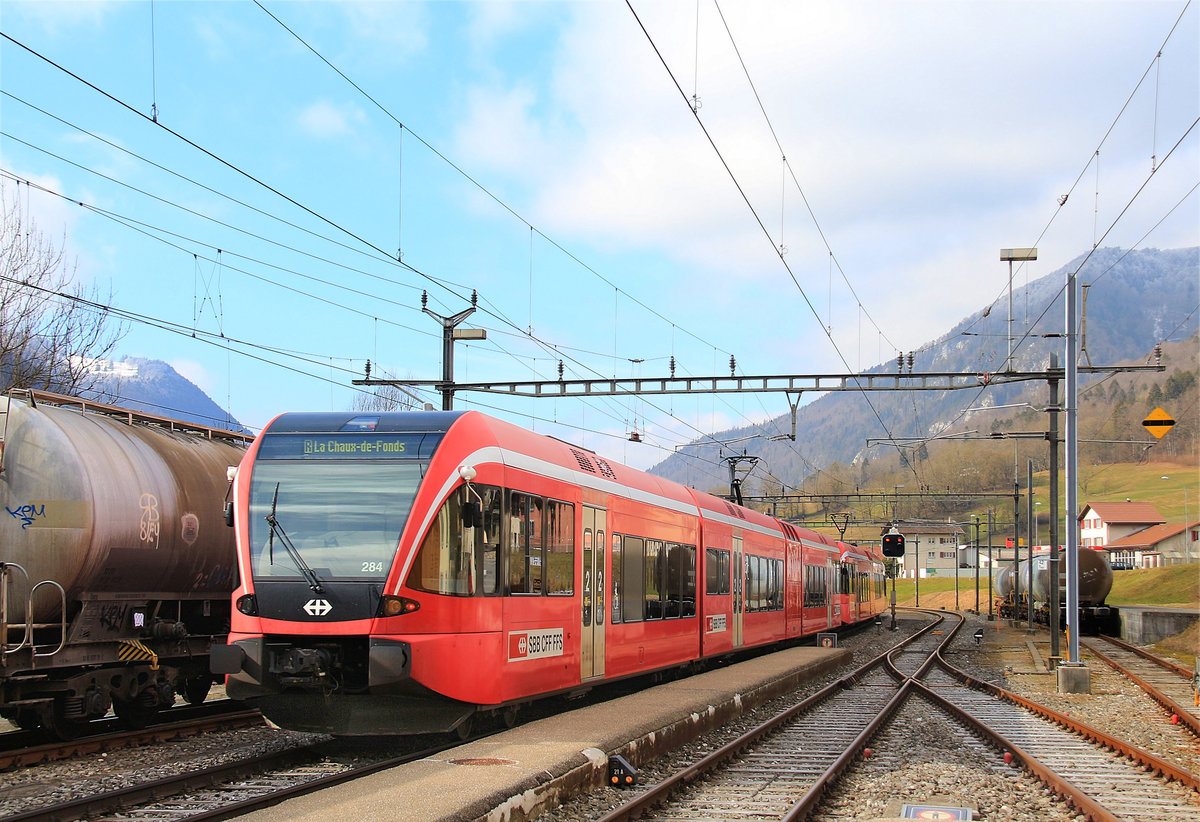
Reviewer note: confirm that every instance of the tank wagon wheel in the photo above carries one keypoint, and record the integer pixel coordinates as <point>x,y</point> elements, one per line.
<point>196,687</point>
<point>26,719</point>
<point>134,713</point>
<point>55,723</point>
<point>140,711</point>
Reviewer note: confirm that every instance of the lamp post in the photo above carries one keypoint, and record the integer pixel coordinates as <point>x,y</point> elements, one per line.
<point>1031,528</point>
<point>1009,255</point>
<point>957,563</point>
<point>991,599</point>
<point>917,567</point>
<point>976,524</point>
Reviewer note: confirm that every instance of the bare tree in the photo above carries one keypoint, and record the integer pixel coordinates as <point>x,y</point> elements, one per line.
<point>386,397</point>
<point>51,329</point>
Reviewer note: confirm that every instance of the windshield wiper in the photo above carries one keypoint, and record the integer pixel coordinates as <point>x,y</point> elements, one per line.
<point>308,573</point>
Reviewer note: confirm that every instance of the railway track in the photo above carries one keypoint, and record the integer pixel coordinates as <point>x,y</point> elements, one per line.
<point>226,791</point>
<point>780,769</point>
<point>783,769</point>
<point>1169,684</point>
<point>18,748</point>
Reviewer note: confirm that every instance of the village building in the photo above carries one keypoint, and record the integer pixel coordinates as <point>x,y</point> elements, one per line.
<point>1135,535</point>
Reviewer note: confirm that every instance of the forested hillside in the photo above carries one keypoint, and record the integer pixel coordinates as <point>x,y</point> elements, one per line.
<point>1135,300</point>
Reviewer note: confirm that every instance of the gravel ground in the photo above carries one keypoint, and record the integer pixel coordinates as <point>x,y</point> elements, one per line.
<point>917,759</point>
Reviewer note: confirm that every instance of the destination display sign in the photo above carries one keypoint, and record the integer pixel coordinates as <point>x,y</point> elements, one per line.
<point>343,446</point>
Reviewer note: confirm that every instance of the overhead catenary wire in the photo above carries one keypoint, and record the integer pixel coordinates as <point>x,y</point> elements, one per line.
<point>479,185</point>
<point>538,364</point>
<point>754,212</point>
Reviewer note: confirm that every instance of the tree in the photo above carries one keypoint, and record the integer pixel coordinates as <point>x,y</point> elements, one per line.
<point>386,397</point>
<point>51,329</point>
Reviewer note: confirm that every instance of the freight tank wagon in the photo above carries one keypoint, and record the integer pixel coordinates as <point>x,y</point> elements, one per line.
<point>116,565</point>
<point>1095,582</point>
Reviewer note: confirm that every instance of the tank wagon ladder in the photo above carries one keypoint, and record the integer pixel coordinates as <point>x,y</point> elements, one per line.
<point>27,640</point>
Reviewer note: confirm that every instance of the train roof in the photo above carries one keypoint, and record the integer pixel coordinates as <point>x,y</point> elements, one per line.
<point>329,422</point>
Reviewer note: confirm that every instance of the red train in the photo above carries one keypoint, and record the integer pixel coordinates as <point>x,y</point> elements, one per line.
<point>402,572</point>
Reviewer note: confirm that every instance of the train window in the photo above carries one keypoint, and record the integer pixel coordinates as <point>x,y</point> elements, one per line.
<point>487,541</point>
<point>344,518</point>
<point>560,548</point>
<point>760,584</point>
<point>600,581</point>
<point>654,577</point>
<point>445,561</point>
<point>524,535</point>
<point>681,580</point>
<point>716,572</point>
<point>815,586</point>
<point>616,579</point>
<point>633,585</point>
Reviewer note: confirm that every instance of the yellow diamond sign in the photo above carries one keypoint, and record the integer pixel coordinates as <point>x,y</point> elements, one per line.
<point>1158,422</point>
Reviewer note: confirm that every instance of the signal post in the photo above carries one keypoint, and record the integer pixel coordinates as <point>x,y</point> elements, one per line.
<point>893,547</point>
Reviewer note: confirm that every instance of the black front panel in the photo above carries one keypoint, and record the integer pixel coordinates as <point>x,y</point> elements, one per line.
<point>297,602</point>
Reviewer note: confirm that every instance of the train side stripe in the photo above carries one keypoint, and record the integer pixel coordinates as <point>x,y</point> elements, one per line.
<point>493,454</point>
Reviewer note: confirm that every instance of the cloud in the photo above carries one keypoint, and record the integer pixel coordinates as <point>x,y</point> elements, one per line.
<point>58,18</point>
<point>326,121</point>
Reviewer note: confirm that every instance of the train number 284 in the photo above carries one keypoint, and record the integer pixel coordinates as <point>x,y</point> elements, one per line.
<point>372,567</point>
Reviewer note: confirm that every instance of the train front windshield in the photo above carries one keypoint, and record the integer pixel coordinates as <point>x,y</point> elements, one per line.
<point>335,504</point>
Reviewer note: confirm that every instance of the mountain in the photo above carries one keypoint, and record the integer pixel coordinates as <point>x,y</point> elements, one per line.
<point>154,387</point>
<point>1134,300</point>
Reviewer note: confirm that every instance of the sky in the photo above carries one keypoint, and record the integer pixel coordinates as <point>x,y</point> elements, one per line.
<point>806,187</point>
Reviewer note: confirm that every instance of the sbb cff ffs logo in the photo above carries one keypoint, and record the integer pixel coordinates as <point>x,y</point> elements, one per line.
<point>893,545</point>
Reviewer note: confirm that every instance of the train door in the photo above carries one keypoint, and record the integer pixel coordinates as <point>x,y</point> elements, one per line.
<point>737,579</point>
<point>831,591</point>
<point>591,652</point>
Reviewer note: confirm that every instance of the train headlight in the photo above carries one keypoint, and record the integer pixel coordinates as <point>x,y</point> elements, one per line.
<point>248,604</point>
<point>390,606</point>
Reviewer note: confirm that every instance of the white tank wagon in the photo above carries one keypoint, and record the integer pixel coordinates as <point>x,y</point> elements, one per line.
<point>1095,582</point>
<point>116,565</point>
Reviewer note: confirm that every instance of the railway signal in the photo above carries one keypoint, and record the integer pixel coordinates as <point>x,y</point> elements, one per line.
<point>893,544</point>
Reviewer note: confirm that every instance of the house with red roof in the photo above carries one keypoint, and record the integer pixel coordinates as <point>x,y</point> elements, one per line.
<point>1172,543</point>
<point>1136,535</point>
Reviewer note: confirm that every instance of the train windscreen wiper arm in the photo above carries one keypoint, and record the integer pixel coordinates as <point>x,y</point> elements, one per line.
<point>308,573</point>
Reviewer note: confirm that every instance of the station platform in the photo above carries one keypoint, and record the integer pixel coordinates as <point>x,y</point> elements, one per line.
<point>509,776</point>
